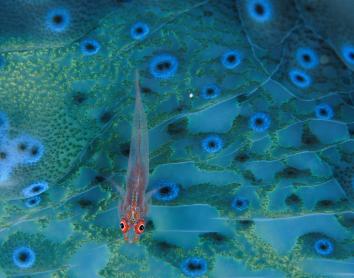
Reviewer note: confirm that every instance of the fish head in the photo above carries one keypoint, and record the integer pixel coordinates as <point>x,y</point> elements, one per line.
<point>132,226</point>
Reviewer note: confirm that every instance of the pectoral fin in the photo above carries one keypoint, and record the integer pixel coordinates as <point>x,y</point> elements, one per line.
<point>115,185</point>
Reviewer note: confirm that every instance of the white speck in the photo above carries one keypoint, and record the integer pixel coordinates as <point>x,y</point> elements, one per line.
<point>324,59</point>
<point>191,95</point>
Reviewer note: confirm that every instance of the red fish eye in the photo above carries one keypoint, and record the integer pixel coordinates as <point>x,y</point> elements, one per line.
<point>140,227</point>
<point>124,226</point>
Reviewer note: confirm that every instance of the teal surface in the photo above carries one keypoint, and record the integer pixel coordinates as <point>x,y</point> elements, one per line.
<point>263,165</point>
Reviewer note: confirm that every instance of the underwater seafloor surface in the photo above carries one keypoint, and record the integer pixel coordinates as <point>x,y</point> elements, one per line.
<point>251,122</point>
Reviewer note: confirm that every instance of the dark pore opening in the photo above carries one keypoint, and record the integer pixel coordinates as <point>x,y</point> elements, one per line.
<point>105,117</point>
<point>306,58</point>
<point>231,58</point>
<point>146,90</point>
<point>84,203</point>
<point>300,78</point>
<point>34,151</point>
<point>163,66</point>
<point>22,146</point>
<point>90,47</point>
<point>292,199</point>
<point>79,98</point>
<point>210,91</point>
<point>36,188</point>
<point>125,149</point>
<point>165,190</point>
<point>259,9</point>
<point>57,19</point>
<point>259,121</point>
<point>212,144</point>
<point>23,256</point>
<point>3,155</point>
<point>99,178</point>
<point>323,111</point>
<point>242,157</point>
<point>323,246</point>
<point>194,266</point>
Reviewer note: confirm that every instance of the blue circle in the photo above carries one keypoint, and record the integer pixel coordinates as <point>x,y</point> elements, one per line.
<point>348,54</point>
<point>35,189</point>
<point>260,122</point>
<point>324,111</point>
<point>167,191</point>
<point>323,247</point>
<point>58,19</point>
<point>300,78</point>
<point>260,10</point>
<point>23,257</point>
<point>163,66</point>
<point>210,91</point>
<point>89,47</point>
<point>240,203</point>
<point>28,150</point>
<point>306,57</point>
<point>33,201</point>
<point>231,59</point>
<point>139,30</point>
<point>212,143</point>
<point>194,267</point>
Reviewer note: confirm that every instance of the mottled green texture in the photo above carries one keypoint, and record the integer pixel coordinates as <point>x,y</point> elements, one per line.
<point>297,176</point>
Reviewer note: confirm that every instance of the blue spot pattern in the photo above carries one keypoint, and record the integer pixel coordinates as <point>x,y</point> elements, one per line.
<point>260,11</point>
<point>167,191</point>
<point>89,47</point>
<point>231,59</point>
<point>194,267</point>
<point>307,57</point>
<point>139,30</point>
<point>271,168</point>
<point>210,91</point>
<point>324,111</point>
<point>300,78</point>
<point>58,20</point>
<point>259,122</point>
<point>28,149</point>
<point>240,203</point>
<point>348,54</point>
<point>24,257</point>
<point>35,189</point>
<point>323,247</point>
<point>33,201</point>
<point>163,66</point>
<point>212,143</point>
<point>23,149</point>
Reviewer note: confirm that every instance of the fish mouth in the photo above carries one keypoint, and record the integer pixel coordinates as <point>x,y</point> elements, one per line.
<point>131,237</point>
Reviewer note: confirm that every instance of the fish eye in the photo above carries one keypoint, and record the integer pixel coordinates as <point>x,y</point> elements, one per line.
<point>124,226</point>
<point>140,227</point>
